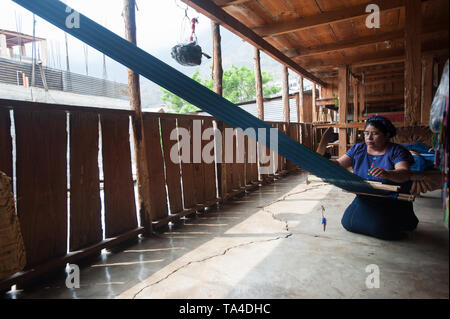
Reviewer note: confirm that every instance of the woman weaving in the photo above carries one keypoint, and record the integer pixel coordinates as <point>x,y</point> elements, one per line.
<point>378,159</point>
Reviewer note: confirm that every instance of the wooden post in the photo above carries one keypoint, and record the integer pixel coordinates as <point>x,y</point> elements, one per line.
<point>300,100</point>
<point>129,15</point>
<point>427,89</point>
<point>258,85</point>
<point>355,108</point>
<point>313,104</point>
<point>343,98</point>
<point>285,96</point>
<point>217,74</point>
<point>362,100</point>
<point>217,58</point>
<point>413,65</point>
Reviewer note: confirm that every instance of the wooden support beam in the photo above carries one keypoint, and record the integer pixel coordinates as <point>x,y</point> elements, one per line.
<point>285,83</point>
<point>335,16</point>
<point>397,68</point>
<point>355,108</point>
<point>362,100</point>
<point>343,100</point>
<point>427,89</point>
<point>300,105</point>
<point>258,84</point>
<point>313,104</point>
<point>342,45</point>
<point>381,98</point>
<point>214,12</point>
<point>384,57</point>
<point>227,3</point>
<point>427,31</point>
<point>413,64</point>
<point>217,73</point>
<point>217,87</point>
<point>398,79</point>
<point>129,15</point>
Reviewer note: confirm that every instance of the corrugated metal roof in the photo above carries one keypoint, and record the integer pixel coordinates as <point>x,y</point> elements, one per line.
<point>11,73</point>
<point>273,110</point>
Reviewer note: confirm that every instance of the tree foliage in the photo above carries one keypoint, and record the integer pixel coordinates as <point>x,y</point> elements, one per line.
<point>238,85</point>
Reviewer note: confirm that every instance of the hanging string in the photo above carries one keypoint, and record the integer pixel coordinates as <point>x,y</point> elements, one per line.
<point>194,21</point>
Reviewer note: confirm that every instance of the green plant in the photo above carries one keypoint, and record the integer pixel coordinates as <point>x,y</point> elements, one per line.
<point>238,85</point>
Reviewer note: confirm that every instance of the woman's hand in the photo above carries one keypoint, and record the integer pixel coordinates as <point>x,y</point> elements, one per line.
<point>380,173</point>
<point>398,175</point>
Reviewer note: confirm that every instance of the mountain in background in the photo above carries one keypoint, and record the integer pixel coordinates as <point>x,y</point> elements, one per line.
<point>234,52</point>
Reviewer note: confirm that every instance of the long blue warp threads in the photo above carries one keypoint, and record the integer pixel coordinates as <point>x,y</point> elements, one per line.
<point>171,79</point>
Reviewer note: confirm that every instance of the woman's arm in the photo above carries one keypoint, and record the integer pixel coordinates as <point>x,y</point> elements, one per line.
<point>345,161</point>
<point>399,174</point>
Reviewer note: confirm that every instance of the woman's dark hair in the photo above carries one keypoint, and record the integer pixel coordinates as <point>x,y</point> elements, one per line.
<point>382,124</point>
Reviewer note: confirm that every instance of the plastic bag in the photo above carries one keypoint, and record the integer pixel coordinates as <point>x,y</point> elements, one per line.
<point>187,54</point>
<point>438,105</point>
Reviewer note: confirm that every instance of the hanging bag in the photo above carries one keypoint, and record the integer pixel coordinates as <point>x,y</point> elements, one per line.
<point>189,54</point>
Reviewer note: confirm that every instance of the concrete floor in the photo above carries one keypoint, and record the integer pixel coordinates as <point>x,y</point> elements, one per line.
<point>271,244</point>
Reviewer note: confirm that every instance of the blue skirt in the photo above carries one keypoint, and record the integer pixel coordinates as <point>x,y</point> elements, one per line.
<point>382,218</point>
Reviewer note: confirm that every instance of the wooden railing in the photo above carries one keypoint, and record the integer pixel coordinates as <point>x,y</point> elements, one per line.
<point>57,174</point>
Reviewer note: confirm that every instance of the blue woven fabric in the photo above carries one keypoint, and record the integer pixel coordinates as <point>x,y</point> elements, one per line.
<point>169,78</point>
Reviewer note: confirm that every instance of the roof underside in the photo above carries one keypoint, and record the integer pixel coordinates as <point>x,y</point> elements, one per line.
<point>320,35</point>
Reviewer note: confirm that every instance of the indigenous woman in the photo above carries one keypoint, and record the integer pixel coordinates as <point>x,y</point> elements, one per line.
<point>378,159</point>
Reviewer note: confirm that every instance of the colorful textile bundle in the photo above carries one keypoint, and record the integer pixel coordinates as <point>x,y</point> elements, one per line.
<point>441,145</point>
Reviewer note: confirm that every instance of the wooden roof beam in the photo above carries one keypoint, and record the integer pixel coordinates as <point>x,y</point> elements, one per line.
<point>325,18</point>
<point>215,13</point>
<point>227,3</point>
<point>342,45</point>
<point>440,29</point>
<point>386,57</point>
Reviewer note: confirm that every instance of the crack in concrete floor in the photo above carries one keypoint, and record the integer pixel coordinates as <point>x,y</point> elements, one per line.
<point>205,259</point>
<point>264,208</point>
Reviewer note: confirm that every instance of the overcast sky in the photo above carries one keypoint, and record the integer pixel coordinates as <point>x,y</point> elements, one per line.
<point>160,25</point>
